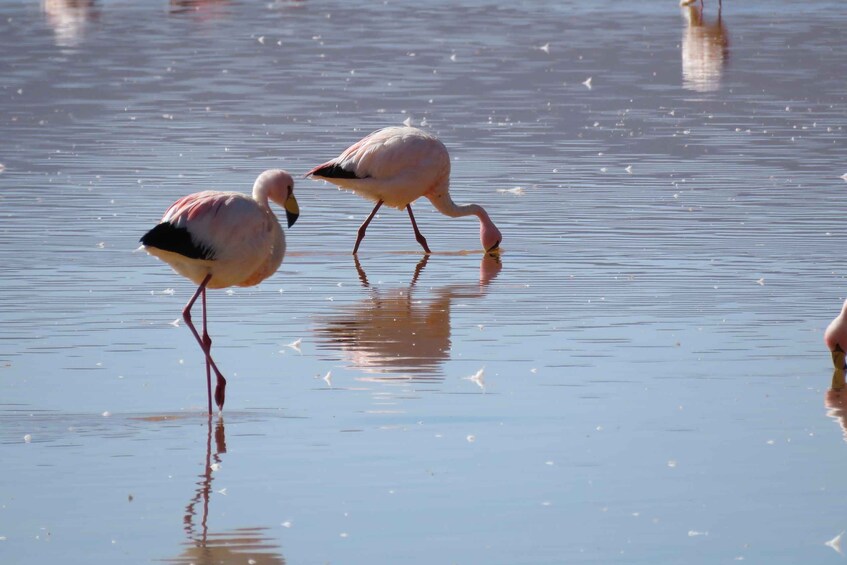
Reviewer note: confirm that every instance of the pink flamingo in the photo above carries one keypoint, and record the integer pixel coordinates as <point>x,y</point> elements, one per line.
<point>835,337</point>
<point>222,239</point>
<point>396,166</point>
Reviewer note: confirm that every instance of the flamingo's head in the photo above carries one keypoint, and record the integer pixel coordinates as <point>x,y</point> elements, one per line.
<point>279,187</point>
<point>490,236</point>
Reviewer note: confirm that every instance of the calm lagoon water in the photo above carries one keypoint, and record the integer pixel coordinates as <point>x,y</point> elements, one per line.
<point>653,385</point>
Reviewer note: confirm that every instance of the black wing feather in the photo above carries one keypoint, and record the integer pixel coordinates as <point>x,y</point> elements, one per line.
<point>334,171</point>
<point>168,237</point>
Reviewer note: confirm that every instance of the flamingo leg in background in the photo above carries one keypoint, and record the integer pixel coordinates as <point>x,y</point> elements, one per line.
<point>364,227</point>
<point>205,341</point>
<point>418,235</point>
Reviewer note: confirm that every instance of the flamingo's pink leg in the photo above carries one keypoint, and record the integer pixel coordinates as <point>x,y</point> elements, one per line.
<point>364,226</point>
<point>206,342</point>
<point>418,235</point>
<point>220,386</point>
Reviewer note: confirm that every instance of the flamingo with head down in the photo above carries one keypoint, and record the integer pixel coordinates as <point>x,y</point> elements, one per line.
<point>396,166</point>
<point>222,239</point>
<point>835,338</point>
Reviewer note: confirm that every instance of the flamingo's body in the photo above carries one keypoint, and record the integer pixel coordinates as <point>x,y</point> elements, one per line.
<point>396,166</point>
<point>222,239</point>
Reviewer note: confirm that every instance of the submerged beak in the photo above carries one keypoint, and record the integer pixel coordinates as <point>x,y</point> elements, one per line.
<point>494,247</point>
<point>292,209</point>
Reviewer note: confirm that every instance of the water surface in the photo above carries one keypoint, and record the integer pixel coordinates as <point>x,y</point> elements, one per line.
<point>639,377</point>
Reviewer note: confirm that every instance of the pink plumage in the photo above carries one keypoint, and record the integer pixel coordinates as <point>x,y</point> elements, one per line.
<point>396,166</point>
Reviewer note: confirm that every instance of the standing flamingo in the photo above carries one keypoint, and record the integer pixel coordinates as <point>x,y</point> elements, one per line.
<point>835,337</point>
<point>222,239</point>
<point>396,166</point>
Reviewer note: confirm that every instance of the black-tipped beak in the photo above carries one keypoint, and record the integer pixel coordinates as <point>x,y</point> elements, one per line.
<point>494,247</point>
<point>292,209</point>
<point>291,217</point>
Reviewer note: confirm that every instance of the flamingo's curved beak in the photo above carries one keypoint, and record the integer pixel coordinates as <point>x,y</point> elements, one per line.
<point>292,209</point>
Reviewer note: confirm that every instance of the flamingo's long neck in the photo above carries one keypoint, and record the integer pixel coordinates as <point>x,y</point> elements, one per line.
<point>260,193</point>
<point>489,235</point>
<point>444,204</point>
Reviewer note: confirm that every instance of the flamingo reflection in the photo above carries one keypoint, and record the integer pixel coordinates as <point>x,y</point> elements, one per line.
<point>705,50</point>
<point>241,545</point>
<point>203,9</point>
<point>69,19</point>
<point>835,401</point>
<point>396,335</point>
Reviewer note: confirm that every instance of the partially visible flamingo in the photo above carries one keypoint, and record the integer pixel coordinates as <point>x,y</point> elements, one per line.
<point>221,239</point>
<point>835,337</point>
<point>396,166</point>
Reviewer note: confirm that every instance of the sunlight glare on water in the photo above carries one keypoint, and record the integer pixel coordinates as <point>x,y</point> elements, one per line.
<point>639,376</point>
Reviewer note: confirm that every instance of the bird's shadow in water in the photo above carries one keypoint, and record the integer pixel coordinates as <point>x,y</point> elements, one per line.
<point>241,545</point>
<point>392,334</point>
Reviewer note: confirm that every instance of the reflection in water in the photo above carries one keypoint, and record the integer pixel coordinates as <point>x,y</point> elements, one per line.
<point>69,19</point>
<point>390,331</point>
<point>705,49</point>
<point>836,404</point>
<point>204,9</point>
<point>242,545</point>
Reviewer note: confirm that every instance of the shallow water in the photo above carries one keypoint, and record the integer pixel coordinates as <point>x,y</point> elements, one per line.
<point>654,382</point>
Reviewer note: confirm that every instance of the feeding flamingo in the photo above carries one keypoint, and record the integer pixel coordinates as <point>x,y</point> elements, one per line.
<point>835,337</point>
<point>396,166</point>
<point>221,239</point>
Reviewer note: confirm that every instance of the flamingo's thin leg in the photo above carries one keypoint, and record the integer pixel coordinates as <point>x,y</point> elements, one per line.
<point>418,235</point>
<point>364,226</point>
<point>220,386</point>
<point>186,315</point>
<point>207,340</point>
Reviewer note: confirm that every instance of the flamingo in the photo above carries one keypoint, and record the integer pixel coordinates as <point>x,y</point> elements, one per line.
<point>835,338</point>
<point>396,166</point>
<point>222,239</point>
